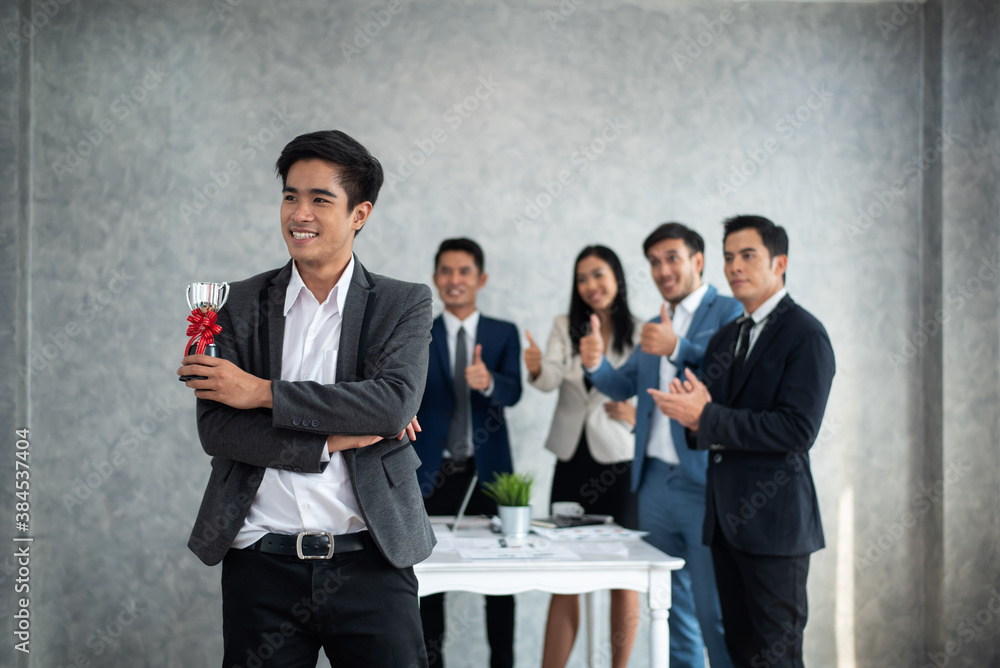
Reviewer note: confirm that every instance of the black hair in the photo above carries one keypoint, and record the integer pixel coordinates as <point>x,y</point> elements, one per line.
<point>461,244</point>
<point>773,236</point>
<point>579,312</point>
<point>691,239</point>
<point>360,173</point>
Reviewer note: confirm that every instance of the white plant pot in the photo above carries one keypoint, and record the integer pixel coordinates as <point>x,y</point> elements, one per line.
<point>515,520</point>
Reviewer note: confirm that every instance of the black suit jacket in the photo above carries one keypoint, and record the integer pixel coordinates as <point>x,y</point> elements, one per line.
<point>758,430</point>
<point>381,370</point>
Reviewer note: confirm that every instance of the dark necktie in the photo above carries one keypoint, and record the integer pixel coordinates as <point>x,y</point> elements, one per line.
<point>743,343</point>
<point>458,430</point>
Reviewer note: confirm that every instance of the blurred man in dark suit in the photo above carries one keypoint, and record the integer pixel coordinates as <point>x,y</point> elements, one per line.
<point>767,377</point>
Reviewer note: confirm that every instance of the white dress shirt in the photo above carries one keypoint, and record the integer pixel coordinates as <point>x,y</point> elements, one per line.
<point>760,317</point>
<point>451,326</point>
<point>661,440</point>
<point>289,502</point>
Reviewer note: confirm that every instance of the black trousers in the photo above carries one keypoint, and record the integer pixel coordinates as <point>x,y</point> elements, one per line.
<point>445,499</point>
<point>764,605</point>
<point>277,611</point>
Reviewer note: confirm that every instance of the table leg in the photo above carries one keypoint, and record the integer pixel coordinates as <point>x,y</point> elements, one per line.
<point>659,639</point>
<point>659,611</point>
<point>593,637</point>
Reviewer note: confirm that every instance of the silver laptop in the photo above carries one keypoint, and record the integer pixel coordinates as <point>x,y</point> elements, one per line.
<point>465,503</point>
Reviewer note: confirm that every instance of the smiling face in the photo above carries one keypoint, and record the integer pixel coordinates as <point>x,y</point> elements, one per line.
<point>675,269</point>
<point>596,283</point>
<point>315,222</point>
<point>458,280</point>
<point>753,274</point>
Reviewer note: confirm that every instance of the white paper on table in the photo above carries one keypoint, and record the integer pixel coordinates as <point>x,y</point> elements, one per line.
<point>615,547</point>
<point>598,532</point>
<point>523,550</point>
<point>445,541</point>
<point>449,542</point>
<point>477,543</point>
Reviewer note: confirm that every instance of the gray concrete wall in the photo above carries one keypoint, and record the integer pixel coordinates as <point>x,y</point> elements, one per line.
<point>138,145</point>
<point>970,616</point>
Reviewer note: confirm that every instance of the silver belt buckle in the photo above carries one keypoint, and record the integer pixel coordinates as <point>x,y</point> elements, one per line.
<point>298,544</point>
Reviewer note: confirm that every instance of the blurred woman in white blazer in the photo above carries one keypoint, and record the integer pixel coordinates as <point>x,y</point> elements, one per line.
<point>590,435</point>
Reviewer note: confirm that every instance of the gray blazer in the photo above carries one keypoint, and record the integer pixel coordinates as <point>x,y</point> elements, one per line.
<point>377,392</point>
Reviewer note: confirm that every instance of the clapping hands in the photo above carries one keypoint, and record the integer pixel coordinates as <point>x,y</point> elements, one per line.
<point>685,401</point>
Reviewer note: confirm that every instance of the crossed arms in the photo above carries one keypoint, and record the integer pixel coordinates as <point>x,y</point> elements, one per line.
<point>233,421</point>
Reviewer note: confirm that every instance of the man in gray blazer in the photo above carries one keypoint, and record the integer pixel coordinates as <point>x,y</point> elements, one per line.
<point>313,505</point>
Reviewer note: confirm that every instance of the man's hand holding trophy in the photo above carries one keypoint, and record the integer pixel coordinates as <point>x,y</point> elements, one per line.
<point>205,300</point>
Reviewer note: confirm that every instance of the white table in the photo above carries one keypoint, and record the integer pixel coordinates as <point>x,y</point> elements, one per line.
<point>645,569</point>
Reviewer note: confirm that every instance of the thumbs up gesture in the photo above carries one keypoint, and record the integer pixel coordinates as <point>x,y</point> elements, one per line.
<point>592,345</point>
<point>659,338</point>
<point>477,376</point>
<point>533,357</point>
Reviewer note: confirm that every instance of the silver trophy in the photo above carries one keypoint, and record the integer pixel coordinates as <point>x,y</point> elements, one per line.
<point>205,300</point>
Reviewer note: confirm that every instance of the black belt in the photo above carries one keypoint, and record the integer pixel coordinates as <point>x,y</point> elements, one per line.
<point>311,544</point>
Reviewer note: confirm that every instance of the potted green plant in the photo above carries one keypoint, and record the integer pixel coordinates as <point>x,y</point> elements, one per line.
<point>512,492</point>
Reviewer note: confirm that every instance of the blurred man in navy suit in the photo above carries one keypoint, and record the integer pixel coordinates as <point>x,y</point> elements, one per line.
<point>473,373</point>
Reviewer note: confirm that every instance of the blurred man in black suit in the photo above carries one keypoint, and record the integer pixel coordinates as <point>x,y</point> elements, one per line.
<point>767,378</point>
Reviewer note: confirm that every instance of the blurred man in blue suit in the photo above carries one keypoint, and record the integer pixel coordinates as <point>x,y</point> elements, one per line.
<point>670,477</point>
<point>473,373</point>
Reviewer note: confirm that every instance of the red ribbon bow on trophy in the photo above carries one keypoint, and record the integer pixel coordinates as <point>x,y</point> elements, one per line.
<point>202,325</point>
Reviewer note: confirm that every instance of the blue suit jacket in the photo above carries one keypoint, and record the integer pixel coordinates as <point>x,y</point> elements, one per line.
<point>502,356</point>
<point>759,428</point>
<point>642,371</point>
